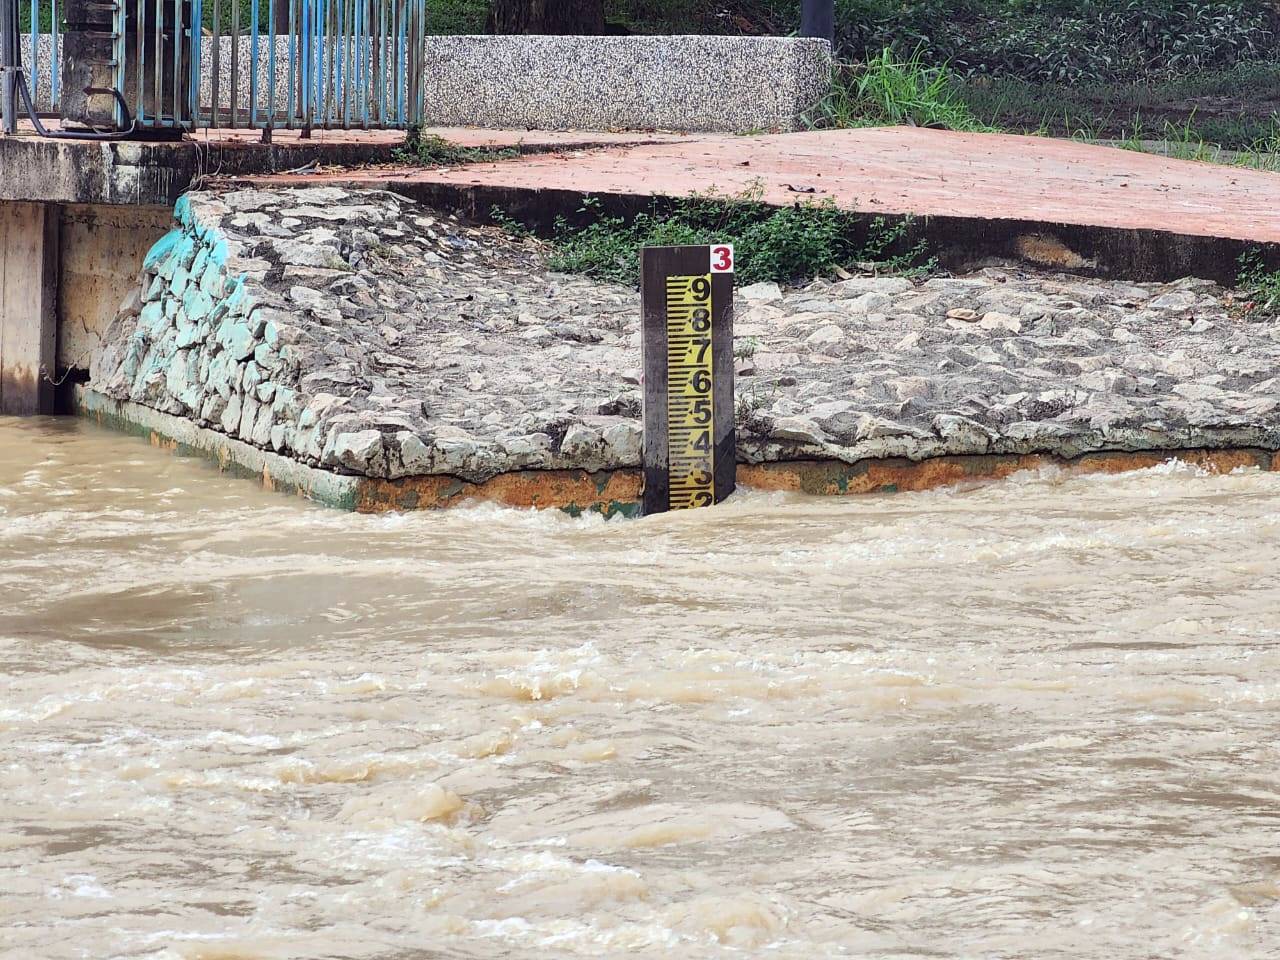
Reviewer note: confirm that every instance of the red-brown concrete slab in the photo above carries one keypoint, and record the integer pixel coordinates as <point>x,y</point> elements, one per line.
<point>902,170</point>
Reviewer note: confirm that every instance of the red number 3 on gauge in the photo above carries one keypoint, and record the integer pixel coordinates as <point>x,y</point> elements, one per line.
<point>722,258</point>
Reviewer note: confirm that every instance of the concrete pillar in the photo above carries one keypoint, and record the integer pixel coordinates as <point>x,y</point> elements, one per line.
<point>28,308</point>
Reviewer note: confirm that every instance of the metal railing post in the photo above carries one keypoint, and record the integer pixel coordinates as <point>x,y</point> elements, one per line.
<point>818,19</point>
<point>9,65</point>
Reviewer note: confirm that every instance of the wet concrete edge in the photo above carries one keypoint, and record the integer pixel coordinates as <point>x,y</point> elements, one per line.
<point>616,492</point>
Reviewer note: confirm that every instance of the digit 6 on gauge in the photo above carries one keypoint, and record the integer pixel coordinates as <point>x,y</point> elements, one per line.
<point>700,382</point>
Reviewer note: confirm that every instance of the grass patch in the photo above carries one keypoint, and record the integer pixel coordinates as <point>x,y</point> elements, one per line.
<point>434,151</point>
<point>1235,109</point>
<point>780,244</point>
<point>890,90</point>
<point>1259,286</point>
<point>1182,143</point>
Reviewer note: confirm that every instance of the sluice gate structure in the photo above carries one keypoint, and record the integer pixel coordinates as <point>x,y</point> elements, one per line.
<point>98,105</point>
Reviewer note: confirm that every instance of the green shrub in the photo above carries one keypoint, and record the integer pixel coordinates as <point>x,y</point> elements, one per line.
<point>435,151</point>
<point>1259,286</point>
<point>892,90</point>
<point>1040,40</point>
<point>782,244</point>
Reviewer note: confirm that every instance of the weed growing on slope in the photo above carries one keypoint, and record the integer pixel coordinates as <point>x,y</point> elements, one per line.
<point>888,90</point>
<point>1259,286</point>
<point>780,244</point>
<point>434,151</point>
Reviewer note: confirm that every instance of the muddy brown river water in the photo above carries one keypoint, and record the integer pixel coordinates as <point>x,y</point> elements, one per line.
<point>1035,719</point>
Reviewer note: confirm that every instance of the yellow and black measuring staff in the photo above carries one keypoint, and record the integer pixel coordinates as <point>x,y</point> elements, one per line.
<point>689,454</point>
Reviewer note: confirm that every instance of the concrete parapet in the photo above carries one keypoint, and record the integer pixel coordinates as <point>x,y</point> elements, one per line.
<point>703,83</point>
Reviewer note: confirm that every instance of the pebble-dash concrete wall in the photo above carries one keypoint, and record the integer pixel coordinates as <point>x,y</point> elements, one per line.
<point>730,84</point>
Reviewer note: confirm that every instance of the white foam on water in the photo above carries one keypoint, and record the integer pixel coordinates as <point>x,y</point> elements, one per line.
<point>1027,718</point>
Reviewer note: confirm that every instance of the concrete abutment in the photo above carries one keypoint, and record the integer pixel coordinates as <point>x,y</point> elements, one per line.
<point>29,249</point>
<point>64,269</point>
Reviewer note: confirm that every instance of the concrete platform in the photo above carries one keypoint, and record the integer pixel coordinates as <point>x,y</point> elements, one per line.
<point>1053,202</point>
<point>142,173</point>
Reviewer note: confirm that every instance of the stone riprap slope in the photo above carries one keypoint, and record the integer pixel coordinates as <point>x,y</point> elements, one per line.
<point>359,332</point>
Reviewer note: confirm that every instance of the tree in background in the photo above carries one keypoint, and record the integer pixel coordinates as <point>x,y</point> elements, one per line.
<point>547,16</point>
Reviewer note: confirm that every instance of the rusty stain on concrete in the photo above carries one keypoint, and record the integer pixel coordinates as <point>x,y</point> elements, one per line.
<point>619,492</point>
<point>825,477</point>
<point>610,493</point>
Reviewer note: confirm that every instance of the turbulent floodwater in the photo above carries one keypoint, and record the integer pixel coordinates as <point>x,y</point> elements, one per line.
<point>1037,719</point>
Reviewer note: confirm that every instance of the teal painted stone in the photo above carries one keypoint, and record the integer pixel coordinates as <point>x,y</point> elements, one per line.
<point>182,210</point>
<point>188,334</point>
<point>262,427</point>
<point>219,375</point>
<point>179,375</point>
<point>231,415</point>
<point>219,252</point>
<point>236,338</point>
<point>152,316</point>
<point>183,252</point>
<point>248,417</point>
<point>266,392</point>
<point>252,377</point>
<point>241,301</point>
<point>161,249</point>
<point>197,304</point>
<point>214,280</point>
<point>163,349</point>
<point>181,277</point>
<point>133,356</point>
<point>201,261</point>
<point>155,290</point>
<point>257,323</point>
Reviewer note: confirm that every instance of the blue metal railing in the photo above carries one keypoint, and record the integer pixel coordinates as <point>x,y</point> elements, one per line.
<point>295,64</point>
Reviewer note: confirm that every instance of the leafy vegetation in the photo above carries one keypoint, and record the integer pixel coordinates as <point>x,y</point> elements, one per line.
<point>1259,286</point>
<point>434,151</point>
<point>1037,40</point>
<point>1236,109</point>
<point>889,89</point>
<point>782,244</point>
